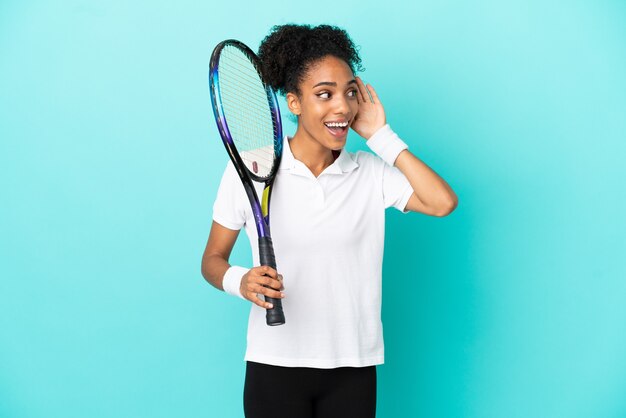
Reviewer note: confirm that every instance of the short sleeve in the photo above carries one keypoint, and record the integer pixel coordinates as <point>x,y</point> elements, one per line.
<point>230,202</point>
<point>396,188</point>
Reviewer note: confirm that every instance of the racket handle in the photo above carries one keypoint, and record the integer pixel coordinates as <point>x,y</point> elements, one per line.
<point>274,316</point>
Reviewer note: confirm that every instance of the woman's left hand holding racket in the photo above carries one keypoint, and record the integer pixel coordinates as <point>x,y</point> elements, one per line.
<point>262,280</point>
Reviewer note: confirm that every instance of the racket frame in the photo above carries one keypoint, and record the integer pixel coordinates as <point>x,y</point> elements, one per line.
<point>260,209</point>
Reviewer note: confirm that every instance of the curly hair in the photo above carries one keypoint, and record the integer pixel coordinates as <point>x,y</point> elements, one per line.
<point>289,51</point>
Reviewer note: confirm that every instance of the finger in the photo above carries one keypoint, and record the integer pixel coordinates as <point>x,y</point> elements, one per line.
<point>372,92</point>
<point>268,281</point>
<point>270,292</point>
<point>266,271</point>
<point>258,301</point>
<point>282,286</point>
<point>360,90</point>
<point>364,91</point>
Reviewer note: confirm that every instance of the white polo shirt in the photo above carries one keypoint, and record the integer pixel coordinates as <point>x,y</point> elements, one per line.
<point>328,234</point>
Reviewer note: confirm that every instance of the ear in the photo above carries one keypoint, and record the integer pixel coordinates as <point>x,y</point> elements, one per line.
<point>293,102</point>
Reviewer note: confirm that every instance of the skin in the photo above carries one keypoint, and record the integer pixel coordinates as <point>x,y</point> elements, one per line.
<point>340,97</point>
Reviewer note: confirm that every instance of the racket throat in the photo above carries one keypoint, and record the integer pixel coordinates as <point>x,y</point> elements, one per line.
<point>265,203</point>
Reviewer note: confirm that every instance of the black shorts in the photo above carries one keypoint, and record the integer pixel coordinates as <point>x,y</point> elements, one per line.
<point>304,392</point>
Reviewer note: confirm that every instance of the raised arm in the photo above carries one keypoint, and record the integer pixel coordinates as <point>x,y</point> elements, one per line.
<point>431,194</point>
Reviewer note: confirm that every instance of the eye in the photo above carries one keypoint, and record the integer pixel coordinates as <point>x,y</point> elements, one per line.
<point>324,95</point>
<point>352,93</point>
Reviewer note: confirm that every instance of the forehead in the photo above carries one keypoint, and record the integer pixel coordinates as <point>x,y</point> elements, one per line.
<point>329,68</point>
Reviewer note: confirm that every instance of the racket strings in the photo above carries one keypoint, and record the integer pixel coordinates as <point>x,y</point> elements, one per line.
<point>247,111</point>
<point>252,80</point>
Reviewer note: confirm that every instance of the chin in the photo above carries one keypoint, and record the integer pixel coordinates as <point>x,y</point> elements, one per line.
<point>337,145</point>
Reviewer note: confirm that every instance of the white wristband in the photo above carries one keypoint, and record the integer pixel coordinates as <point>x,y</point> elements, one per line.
<point>386,144</point>
<point>232,280</point>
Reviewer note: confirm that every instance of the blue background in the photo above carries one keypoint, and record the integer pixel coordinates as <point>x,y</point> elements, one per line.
<point>513,306</point>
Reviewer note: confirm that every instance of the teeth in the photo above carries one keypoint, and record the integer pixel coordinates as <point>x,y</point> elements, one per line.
<point>337,124</point>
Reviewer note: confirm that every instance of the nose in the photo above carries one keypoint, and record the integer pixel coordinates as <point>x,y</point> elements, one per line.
<point>341,105</point>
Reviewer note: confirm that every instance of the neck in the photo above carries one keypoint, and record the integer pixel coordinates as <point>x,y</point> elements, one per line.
<point>309,151</point>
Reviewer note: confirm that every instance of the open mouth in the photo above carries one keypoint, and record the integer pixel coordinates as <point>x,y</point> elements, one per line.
<point>337,129</point>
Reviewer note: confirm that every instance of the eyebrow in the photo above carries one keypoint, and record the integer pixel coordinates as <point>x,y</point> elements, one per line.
<point>332,83</point>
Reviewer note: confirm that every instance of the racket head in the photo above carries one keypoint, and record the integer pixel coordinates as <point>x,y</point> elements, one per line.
<point>246,110</point>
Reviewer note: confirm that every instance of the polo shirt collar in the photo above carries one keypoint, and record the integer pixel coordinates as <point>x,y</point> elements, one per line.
<point>343,164</point>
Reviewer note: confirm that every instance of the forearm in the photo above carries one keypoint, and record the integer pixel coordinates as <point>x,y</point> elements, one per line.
<point>431,194</point>
<point>428,187</point>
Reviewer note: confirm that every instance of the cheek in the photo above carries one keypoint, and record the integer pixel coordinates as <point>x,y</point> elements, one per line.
<point>309,122</point>
<point>354,106</point>
<point>313,114</point>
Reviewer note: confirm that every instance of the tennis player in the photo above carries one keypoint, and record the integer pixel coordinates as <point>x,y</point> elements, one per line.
<point>328,222</point>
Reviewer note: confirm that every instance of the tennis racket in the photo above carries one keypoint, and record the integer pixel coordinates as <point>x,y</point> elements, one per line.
<point>248,119</point>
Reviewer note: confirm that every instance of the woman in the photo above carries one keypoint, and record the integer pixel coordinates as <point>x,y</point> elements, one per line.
<point>328,210</point>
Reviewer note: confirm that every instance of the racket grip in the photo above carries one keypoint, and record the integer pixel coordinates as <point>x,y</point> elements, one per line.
<point>274,316</point>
